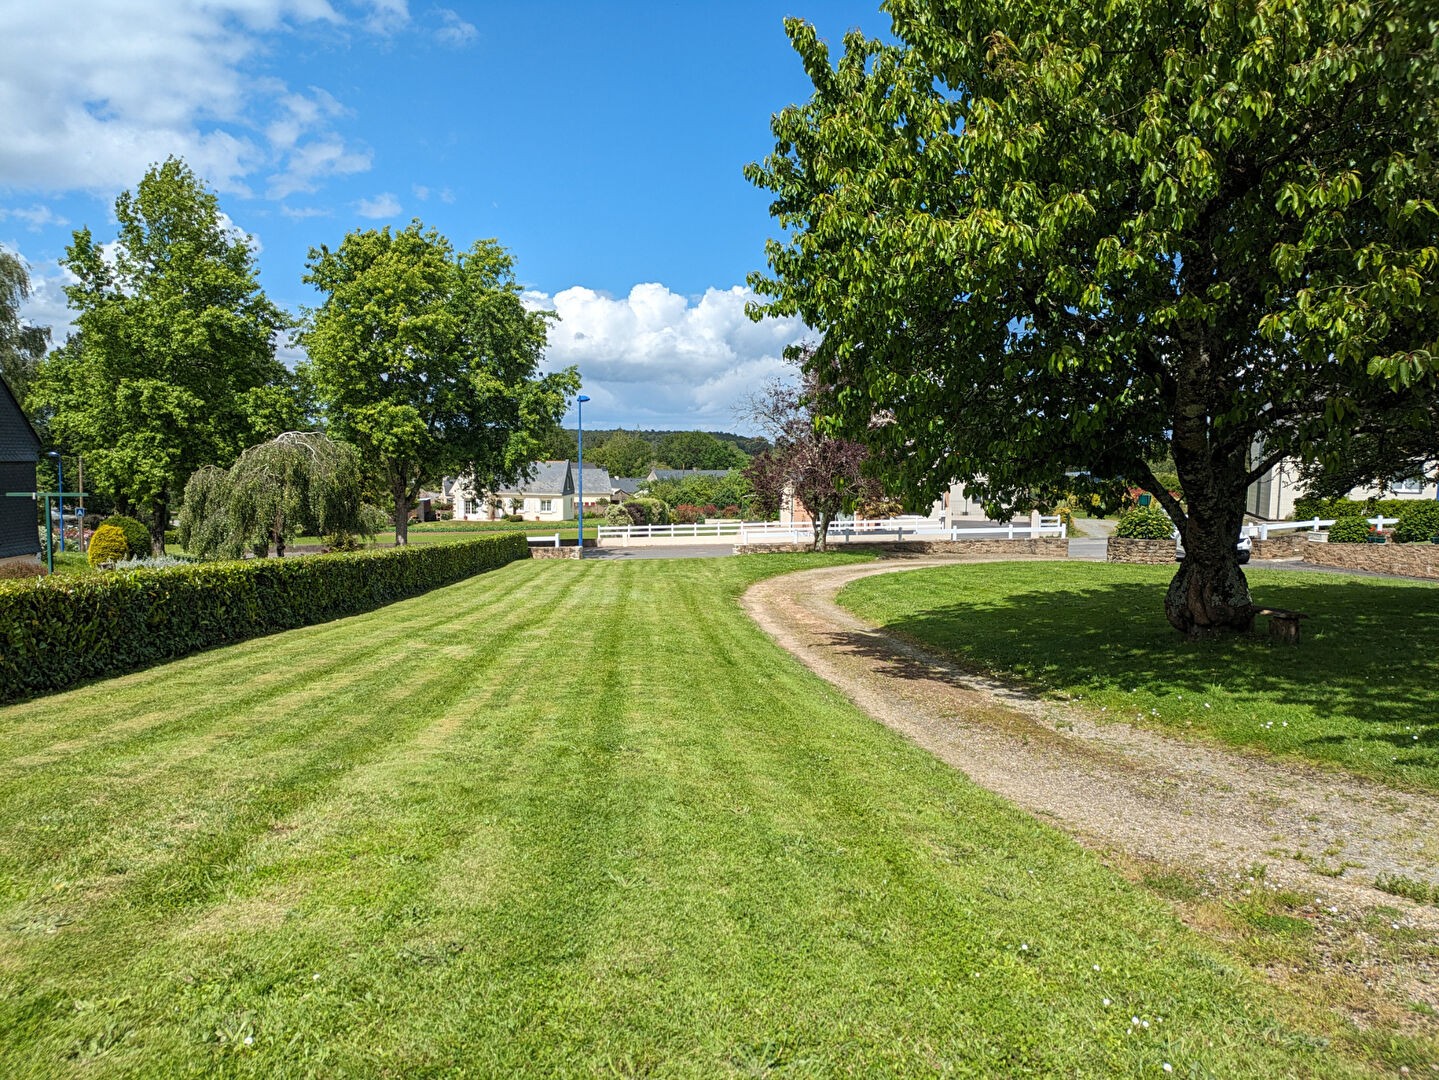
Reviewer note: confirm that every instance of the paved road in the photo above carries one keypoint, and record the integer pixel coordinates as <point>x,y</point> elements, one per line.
<point>661,551</point>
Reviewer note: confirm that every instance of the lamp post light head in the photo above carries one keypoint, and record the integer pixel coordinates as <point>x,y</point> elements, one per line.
<point>582,399</point>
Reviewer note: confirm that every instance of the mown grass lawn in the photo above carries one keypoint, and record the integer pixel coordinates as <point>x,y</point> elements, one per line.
<point>568,819</point>
<point>1361,690</point>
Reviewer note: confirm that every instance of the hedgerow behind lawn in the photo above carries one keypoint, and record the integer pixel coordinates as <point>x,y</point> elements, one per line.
<point>1361,690</point>
<point>567,819</point>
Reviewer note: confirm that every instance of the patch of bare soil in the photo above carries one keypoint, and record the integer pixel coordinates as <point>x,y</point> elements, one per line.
<point>1231,823</point>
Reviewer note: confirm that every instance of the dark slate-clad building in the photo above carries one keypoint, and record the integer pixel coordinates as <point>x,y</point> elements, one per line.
<point>19,450</point>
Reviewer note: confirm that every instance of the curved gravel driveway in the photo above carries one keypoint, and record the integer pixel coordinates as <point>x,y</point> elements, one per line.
<point>1149,794</point>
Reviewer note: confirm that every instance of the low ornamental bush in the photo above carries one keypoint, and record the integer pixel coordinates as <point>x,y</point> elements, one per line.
<point>1349,530</point>
<point>137,537</point>
<point>57,631</point>
<point>1144,523</point>
<point>108,545</point>
<point>687,514</point>
<point>1418,523</point>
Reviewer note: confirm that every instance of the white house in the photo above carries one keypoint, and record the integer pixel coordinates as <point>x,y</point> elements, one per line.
<point>1272,496</point>
<point>551,494</point>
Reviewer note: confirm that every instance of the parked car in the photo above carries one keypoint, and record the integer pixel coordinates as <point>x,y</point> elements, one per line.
<point>1244,546</point>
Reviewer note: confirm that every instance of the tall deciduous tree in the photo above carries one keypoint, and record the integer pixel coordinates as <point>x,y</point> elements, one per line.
<point>428,361</point>
<point>21,344</point>
<point>175,354</point>
<point>625,454</point>
<point>698,450</point>
<point>1042,235</point>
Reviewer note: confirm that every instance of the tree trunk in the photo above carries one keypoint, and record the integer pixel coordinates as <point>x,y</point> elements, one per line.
<point>159,519</point>
<point>278,535</point>
<point>400,490</point>
<point>1209,594</point>
<point>821,530</point>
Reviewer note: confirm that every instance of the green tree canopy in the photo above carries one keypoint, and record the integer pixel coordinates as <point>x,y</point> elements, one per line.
<point>22,344</point>
<point>624,453</point>
<point>428,361</point>
<point>698,450</point>
<point>1043,235</point>
<point>175,354</point>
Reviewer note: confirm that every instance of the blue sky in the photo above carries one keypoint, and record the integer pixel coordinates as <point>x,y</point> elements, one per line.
<point>601,142</point>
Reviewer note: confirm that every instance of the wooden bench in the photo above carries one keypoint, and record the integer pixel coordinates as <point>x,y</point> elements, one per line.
<point>1283,623</point>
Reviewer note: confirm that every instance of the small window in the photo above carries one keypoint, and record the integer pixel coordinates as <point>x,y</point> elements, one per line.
<point>1413,486</point>
<point>546,505</point>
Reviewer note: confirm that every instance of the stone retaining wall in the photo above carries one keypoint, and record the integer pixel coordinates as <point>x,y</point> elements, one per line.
<point>1049,547</point>
<point>552,552</point>
<point>1126,550</point>
<point>1284,546</point>
<point>1409,560</point>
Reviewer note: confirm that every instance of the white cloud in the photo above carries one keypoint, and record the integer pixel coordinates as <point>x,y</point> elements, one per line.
<point>35,218</point>
<point>300,213</point>
<point>454,31</point>
<point>387,16</point>
<point>47,304</point>
<point>383,205</point>
<point>655,358</point>
<point>95,91</point>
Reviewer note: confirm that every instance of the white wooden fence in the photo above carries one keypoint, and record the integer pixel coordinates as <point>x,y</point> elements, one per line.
<point>1262,530</point>
<point>773,532</point>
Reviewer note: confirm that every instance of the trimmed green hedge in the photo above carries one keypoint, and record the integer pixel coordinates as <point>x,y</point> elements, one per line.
<point>58,631</point>
<point>1310,506</point>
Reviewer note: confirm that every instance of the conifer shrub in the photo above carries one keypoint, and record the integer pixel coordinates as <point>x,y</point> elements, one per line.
<point>108,545</point>
<point>137,537</point>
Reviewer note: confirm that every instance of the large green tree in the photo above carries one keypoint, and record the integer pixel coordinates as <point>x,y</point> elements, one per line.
<point>698,450</point>
<point>624,453</point>
<point>174,363</point>
<point>427,360</point>
<point>22,344</point>
<point>1042,235</point>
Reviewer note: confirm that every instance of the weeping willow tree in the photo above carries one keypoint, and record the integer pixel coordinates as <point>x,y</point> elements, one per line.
<point>301,481</point>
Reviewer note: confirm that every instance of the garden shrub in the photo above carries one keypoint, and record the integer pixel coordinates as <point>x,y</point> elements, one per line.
<point>1350,529</point>
<point>730,511</point>
<point>108,545</point>
<point>137,537</point>
<point>656,511</point>
<point>57,631</point>
<point>17,569</point>
<point>687,514</point>
<point>513,517</point>
<point>1418,523</point>
<point>1144,523</point>
<point>620,514</point>
<point>172,536</point>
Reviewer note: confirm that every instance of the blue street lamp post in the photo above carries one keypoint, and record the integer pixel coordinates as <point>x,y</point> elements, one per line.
<point>581,552</point>
<point>59,486</point>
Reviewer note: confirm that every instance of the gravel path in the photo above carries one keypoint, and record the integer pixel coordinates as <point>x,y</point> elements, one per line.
<point>1146,793</point>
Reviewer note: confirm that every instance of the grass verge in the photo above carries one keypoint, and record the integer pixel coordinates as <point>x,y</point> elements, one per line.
<point>569,819</point>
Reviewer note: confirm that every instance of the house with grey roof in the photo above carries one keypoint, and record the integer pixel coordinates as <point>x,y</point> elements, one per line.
<point>550,494</point>
<point>19,451</point>
<point>627,487</point>
<point>681,474</point>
